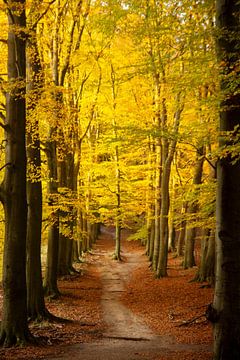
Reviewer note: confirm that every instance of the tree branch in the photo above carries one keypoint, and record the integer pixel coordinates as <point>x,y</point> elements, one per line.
<point>3,118</point>
<point>199,152</point>
<point>42,15</point>
<point>2,194</point>
<point>7,164</point>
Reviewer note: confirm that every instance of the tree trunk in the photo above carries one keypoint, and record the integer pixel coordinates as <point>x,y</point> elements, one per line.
<point>117,253</point>
<point>149,197</point>
<point>162,259</point>
<point>152,236</point>
<point>189,259</point>
<point>226,309</point>
<point>14,328</point>
<point>157,206</point>
<point>50,279</point>
<point>207,265</point>
<point>65,257</point>
<point>182,231</point>
<point>168,151</point>
<point>35,295</point>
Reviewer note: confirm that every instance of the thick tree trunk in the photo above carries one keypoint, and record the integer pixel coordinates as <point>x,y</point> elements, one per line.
<point>226,307</point>
<point>14,328</point>
<point>35,295</point>
<point>50,280</point>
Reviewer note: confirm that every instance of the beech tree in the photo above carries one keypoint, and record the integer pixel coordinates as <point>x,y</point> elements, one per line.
<point>35,295</point>
<point>225,312</point>
<point>14,327</point>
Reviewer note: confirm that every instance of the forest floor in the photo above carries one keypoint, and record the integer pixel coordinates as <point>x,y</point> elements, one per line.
<point>119,311</point>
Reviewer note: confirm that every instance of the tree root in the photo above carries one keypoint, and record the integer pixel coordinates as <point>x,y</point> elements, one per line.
<point>9,338</point>
<point>50,293</point>
<point>116,257</point>
<point>46,316</point>
<point>190,321</point>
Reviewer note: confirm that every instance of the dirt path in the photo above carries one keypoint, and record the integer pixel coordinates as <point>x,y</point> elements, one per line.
<point>126,336</point>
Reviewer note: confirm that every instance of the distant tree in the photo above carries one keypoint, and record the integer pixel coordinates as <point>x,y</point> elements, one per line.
<point>189,260</point>
<point>225,312</point>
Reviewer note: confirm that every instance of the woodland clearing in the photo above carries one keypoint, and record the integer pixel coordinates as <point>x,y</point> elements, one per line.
<point>120,311</point>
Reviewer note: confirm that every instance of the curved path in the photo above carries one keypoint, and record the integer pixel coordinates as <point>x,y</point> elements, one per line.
<point>126,336</point>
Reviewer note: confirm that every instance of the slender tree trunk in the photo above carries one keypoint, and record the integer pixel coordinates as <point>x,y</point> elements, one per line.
<point>157,206</point>
<point>152,236</point>
<point>182,232</point>
<point>162,259</point>
<point>189,259</point>
<point>149,197</point>
<point>50,279</point>
<point>117,252</point>
<point>14,328</point>
<point>207,265</point>
<point>226,309</point>
<point>168,151</point>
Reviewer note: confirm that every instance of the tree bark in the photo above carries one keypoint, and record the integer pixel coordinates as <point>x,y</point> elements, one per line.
<point>50,279</point>
<point>158,168</point>
<point>227,291</point>
<point>206,271</point>
<point>182,232</point>
<point>35,295</point>
<point>14,327</point>
<point>65,266</point>
<point>157,205</point>
<point>189,259</point>
<point>168,151</point>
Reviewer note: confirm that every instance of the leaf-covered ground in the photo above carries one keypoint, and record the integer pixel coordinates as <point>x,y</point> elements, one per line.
<point>172,306</point>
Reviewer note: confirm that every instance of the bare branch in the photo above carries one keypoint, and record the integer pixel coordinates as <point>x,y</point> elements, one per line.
<point>7,164</point>
<point>3,126</point>
<point>70,44</point>
<point>199,152</point>
<point>94,103</point>
<point>4,41</point>
<point>42,15</point>
<point>3,118</point>
<point>2,194</point>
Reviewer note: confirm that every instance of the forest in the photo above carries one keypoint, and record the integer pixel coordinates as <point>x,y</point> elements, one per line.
<point>124,115</point>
